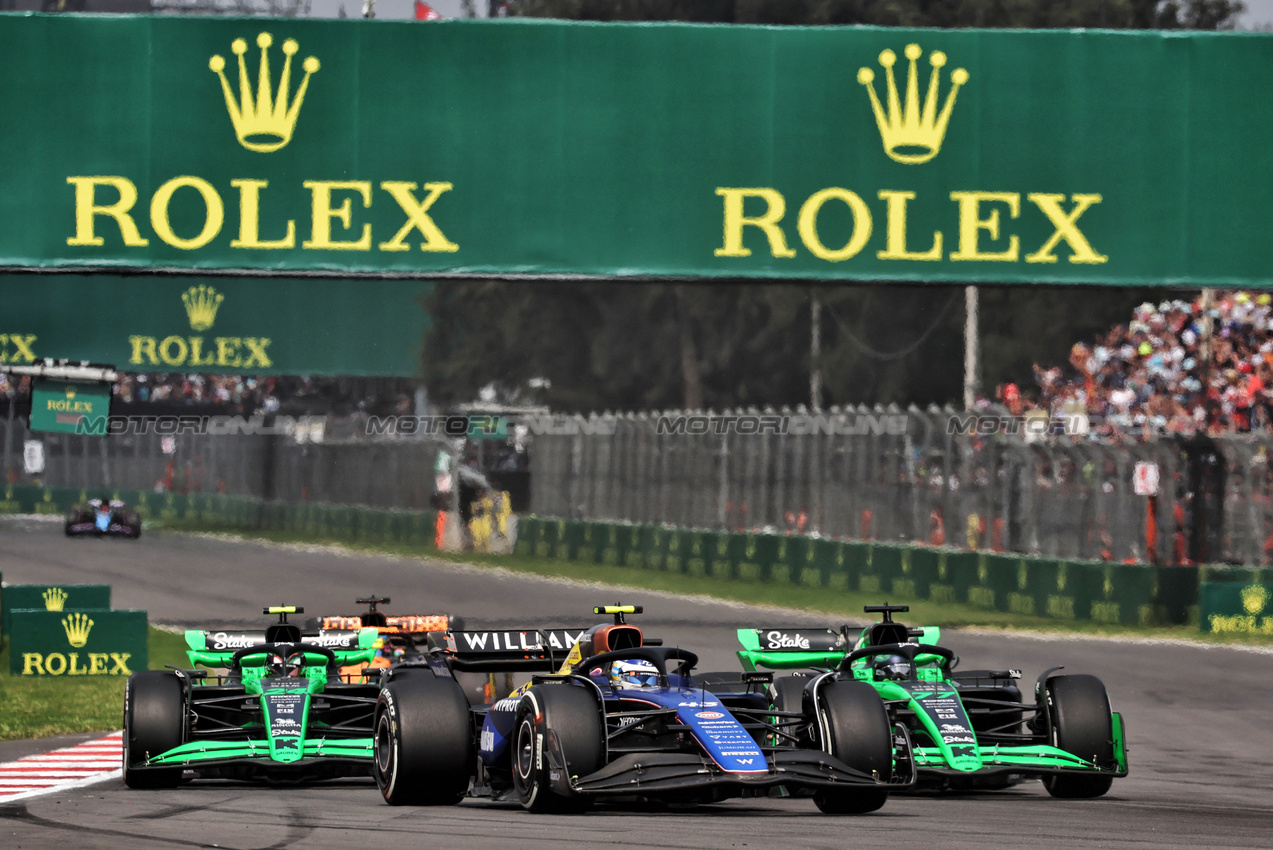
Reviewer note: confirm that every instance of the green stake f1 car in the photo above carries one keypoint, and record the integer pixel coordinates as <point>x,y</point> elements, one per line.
<point>281,712</point>
<point>969,729</point>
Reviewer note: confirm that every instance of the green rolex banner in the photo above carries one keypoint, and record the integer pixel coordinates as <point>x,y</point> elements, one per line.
<point>548,148</point>
<point>223,325</point>
<point>51,597</point>
<point>88,642</point>
<point>1228,607</point>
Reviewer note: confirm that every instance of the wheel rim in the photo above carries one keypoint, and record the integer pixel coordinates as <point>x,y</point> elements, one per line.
<point>525,748</point>
<point>384,745</point>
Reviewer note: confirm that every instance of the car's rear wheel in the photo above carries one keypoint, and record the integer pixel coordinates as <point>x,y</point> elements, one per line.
<point>560,722</point>
<point>787,694</point>
<point>154,722</point>
<point>1082,725</point>
<point>854,728</point>
<point>424,742</point>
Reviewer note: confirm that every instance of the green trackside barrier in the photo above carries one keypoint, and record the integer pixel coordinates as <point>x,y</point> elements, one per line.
<point>528,531</point>
<point>684,547</point>
<point>634,555</point>
<point>607,543</point>
<point>51,597</point>
<point>546,545</point>
<point>19,499</point>
<point>83,642</point>
<point>1236,601</point>
<point>656,546</point>
<point>752,556</point>
<point>1136,594</point>
<point>697,559</point>
<point>591,536</point>
<point>570,539</point>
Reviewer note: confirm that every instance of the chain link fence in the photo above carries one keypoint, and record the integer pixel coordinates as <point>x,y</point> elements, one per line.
<point>934,476</point>
<point>316,459</point>
<point>881,473</point>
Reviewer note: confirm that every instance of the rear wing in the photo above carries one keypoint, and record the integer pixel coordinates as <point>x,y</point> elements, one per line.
<point>217,648</point>
<point>792,639</point>
<point>790,647</point>
<point>532,649</point>
<point>410,624</point>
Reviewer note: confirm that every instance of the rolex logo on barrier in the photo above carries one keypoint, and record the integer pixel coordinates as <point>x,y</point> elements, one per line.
<point>1254,598</point>
<point>202,303</point>
<point>54,599</point>
<point>77,627</point>
<point>912,135</point>
<point>264,123</point>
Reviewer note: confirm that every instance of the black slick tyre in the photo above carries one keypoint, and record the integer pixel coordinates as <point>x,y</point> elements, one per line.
<point>561,718</point>
<point>1082,725</point>
<point>424,742</point>
<point>154,722</point>
<point>854,728</point>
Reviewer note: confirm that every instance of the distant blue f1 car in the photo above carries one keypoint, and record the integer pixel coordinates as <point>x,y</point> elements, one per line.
<point>103,517</point>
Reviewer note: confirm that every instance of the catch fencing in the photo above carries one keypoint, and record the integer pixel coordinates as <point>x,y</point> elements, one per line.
<point>931,476</point>
<point>879,474</point>
<point>312,459</point>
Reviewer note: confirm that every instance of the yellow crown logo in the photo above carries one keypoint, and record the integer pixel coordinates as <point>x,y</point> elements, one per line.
<point>263,123</point>
<point>201,303</point>
<point>910,135</point>
<point>1254,598</point>
<point>70,392</point>
<point>77,628</point>
<point>54,599</point>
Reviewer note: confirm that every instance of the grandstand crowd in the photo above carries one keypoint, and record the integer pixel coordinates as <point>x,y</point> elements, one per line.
<point>1151,376</point>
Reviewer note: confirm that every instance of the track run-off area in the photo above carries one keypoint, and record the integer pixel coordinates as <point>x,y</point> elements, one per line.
<point>1199,721</point>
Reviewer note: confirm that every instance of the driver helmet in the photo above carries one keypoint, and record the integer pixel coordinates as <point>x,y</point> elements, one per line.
<point>284,666</point>
<point>893,667</point>
<point>633,673</point>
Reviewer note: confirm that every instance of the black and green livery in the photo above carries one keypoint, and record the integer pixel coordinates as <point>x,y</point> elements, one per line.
<point>970,729</point>
<point>280,711</point>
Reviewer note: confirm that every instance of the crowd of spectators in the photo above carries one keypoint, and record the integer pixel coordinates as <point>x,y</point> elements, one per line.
<point>1152,376</point>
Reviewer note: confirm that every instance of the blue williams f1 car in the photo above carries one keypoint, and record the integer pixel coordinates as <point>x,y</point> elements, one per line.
<point>103,518</point>
<point>624,717</point>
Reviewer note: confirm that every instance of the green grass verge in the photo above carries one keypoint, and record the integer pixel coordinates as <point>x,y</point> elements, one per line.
<point>838,606</point>
<point>39,706</point>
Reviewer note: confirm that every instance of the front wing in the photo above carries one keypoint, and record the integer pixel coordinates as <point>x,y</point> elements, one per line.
<point>663,774</point>
<point>320,756</point>
<point>1032,760</point>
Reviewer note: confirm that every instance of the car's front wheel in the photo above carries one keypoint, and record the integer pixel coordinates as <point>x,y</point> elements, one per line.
<point>562,723</point>
<point>154,722</point>
<point>1082,725</point>
<point>854,728</point>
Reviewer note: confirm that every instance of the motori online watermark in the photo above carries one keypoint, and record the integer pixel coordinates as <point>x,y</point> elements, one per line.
<point>785,424</point>
<point>175,425</point>
<point>989,424</point>
<point>502,425</point>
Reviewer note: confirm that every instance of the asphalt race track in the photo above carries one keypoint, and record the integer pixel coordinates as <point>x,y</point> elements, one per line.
<point>1199,723</point>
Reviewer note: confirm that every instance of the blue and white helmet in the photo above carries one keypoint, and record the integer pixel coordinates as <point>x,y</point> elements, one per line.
<point>633,673</point>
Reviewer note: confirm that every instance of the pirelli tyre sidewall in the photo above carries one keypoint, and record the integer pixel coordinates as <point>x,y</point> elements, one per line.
<point>423,753</point>
<point>853,725</point>
<point>1081,723</point>
<point>155,721</point>
<point>559,733</point>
